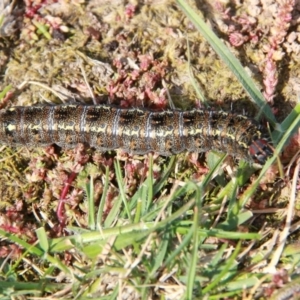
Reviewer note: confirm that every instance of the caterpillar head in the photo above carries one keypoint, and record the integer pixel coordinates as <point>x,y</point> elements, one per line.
<point>260,150</point>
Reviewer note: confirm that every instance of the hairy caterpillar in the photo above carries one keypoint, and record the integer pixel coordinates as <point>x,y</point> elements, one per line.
<point>135,130</point>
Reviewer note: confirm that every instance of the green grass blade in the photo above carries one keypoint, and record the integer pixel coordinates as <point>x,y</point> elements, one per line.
<point>286,124</point>
<point>161,254</point>
<point>225,270</point>
<point>194,254</point>
<point>145,190</point>
<point>5,91</point>
<point>12,287</point>
<point>149,184</point>
<point>120,181</point>
<point>103,198</point>
<point>213,169</point>
<point>166,173</point>
<point>157,186</point>
<point>217,259</point>
<point>115,210</point>
<point>89,189</point>
<point>35,251</point>
<point>42,237</point>
<point>42,28</point>
<point>185,243</point>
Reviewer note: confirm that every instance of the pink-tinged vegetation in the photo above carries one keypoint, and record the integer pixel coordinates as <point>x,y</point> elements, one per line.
<point>60,211</point>
<point>247,32</point>
<point>281,23</point>
<point>37,14</point>
<point>278,34</point>
<point>60,178</point>
<point>246,28</point>
<point>12,250</point>
<point>221,9</point>
<point>269,177</point>
<point>279,280</point>
<point>80,159</point>
<point>270,79</point>
<point>198,167</point>
<point>241,29</point>
<point>5,100</point>
<point>137,170</point>
<point>292,148</point>
<point>237,39</point>
<point>100,160</point>
<point>109,201</point>
<point>130,10</point>
<point>12,221</point>
<point>138,82</point>
<point>32,9</point>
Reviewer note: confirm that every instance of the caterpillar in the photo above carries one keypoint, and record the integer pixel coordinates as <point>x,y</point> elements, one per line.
<point>135,130</point>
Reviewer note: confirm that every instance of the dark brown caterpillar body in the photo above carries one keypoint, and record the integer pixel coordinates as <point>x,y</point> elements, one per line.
<point>134,130</point>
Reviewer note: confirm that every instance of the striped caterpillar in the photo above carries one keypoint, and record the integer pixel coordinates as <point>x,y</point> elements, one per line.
<point>134,130</point>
